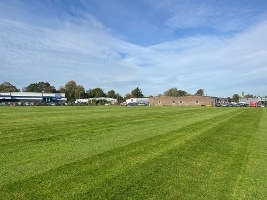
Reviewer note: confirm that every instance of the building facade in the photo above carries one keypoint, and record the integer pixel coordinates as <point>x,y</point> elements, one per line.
<point>253,99</point>
<point>90,100</point>
<point>259,100</point>
<point>11,97</point>
<point>136,101</point>
<point>182,101</point>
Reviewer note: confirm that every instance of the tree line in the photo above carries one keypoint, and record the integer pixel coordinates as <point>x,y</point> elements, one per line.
<point>179,93</point>
<point>74,91</point>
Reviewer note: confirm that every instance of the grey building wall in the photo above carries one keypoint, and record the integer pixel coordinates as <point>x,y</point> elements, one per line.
<point>31,97</point>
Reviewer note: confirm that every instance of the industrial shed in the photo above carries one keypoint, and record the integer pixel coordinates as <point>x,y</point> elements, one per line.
<point>9,97</point>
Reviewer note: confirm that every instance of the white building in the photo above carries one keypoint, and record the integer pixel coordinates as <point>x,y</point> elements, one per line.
<point>109,100</point>
<point>9,97</point>
<point>137,101</point>
<point>252,99</point>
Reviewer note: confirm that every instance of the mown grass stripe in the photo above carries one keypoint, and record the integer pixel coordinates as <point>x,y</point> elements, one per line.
<point>206,155</point>
<point>105,166</point>
<point>205,168</point>
<point>89,140</point>
<point>252,180</point>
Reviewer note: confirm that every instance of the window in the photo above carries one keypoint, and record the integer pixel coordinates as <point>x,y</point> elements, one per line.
<point>159,102</point>
<point>197,102</point>
<point>173,101</point>
<point>181,102</point>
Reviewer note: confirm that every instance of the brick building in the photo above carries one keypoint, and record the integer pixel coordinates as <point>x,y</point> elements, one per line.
<point>182,101</point>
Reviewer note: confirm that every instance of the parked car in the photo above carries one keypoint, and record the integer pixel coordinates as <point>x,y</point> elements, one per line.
<point>232,104</point>
<point>27,104</point>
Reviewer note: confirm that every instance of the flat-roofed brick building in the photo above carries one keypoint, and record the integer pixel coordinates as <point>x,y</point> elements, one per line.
<point>182,101</point>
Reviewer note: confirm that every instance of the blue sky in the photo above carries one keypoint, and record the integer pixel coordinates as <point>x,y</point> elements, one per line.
<point>219,46</point>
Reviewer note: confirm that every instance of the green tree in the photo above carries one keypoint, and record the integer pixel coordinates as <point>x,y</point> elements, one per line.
<point>111,94</point>
<point>40,87</point>
<point>182,93</point>
<point>97,92</point>
<point>8,87</point>
<point>174,92</point>
<point>79,92</point>
<point>89,93</point>
<point>235,97</point>
<point>119,98</point>
<point>128,96</point>
<point>49,88</point>
<point>200,92</point>
<point>62,89</point>
<point>137,93</point>
<point>73,91</point>
<point>114,95</point>
<point>70,89</point>
<point>249,96</point>
<point>31,88</point>
<point>171,92</point>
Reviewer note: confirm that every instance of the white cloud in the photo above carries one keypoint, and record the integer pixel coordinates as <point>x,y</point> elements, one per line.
<point>85,53</point>
<point>209,62</point>
<point>207,14</point>
<point>84,50</point>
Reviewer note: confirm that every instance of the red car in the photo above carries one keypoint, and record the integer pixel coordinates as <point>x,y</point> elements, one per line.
<point>253,104</point>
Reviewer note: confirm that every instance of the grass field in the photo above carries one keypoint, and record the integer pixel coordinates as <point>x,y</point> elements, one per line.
<point>133,153</point>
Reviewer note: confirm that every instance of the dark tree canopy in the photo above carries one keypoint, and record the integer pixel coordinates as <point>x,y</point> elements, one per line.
<point>249,96</point>
<point>137,93</point>
<point>70,89</point>
<point>73,91</point>
<point>8,87</point>
<point>89,93</point>
<point>98,92</point>
<point>119,97</point>
<point>174,92</point>
<point>235,97</point>
<point>200,92</point>
<point>40,87</point>
<point>62,89</point>
<point>95,93</point>
<point>79,92</point>
<point>111,94</point>
<point>128,96</point>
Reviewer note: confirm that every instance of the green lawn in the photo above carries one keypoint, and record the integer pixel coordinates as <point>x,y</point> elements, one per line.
<point>133,153</point>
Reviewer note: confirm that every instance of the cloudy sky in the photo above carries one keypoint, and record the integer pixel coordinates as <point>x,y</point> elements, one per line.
<point>219,46</point>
